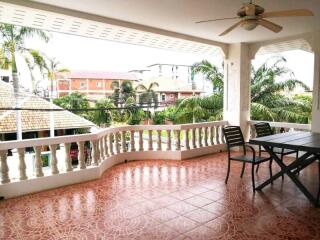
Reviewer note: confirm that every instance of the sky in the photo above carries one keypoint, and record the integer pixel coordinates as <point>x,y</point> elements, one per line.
<point>80,53</point>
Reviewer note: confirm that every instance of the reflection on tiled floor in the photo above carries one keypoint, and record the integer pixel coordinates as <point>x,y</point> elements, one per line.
<point>166,200</point>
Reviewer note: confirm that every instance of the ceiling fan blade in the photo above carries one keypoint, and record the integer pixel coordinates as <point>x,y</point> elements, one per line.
<point>288,13</point>
<point>218,19</point>
<point>270,25</point>
<point>231,28</point>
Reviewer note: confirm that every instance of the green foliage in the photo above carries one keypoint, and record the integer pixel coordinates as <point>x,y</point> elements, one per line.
<point>170,113</point>
<point>74,100</point>
<point>103,117</point>
<point>122,91</point>
<point>268,99</point>
<point>159,118</point>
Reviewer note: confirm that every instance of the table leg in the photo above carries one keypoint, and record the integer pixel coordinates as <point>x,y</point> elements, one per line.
<point>279,174</point>
<point>287,170</point>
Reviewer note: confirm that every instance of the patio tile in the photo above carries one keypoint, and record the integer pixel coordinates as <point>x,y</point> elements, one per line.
<point>134,201</point>
<point>198,201</point>
<point>201,216</point>
<point>182,224</point>
<point>163,214</point>
<point>182,207</point>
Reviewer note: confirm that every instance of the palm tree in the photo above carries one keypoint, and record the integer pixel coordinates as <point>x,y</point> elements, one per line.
<point>4,60</point>
<point>211,73</point>
<point>267,99</point>
<point>103,117</point>
<point>122,91</point>
<point>148,96</point>
<point>52,67</point>
<point>12,44</point>
<point>35,60</point>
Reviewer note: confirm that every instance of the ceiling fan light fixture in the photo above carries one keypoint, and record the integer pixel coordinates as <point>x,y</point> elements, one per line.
<point>249,25</point>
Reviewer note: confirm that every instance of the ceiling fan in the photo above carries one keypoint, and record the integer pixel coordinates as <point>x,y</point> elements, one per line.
<point>252,15</point>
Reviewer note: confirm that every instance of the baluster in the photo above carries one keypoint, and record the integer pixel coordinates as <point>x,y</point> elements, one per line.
<point>38,161</point>
<point>150,143</point>
<point>168,140</point>
<point>222,135</point>
<point>98,151</point>
<point>206,136</point>
<point>4,167</point>
<point>105,142</point>
<point>200,137</point>
<point>94,153</point>
<point>132,142</point>
<point>159,140</point>
<point>141,140</point>
<point>111,144</point>
<point>124,143</point>
<point>67,158</point>
<point>178,143</point>
<point>212,136</point>
<point>22,164</point>
<point>187,139</point>
<point>194,145</point>
<point>101,150</point>
<point>217,134</point>
<point>81,155</point>
<point>117,142</point>
<point>54,160</point>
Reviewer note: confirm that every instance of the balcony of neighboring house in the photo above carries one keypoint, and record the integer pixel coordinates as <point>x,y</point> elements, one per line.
<point>163,181</point>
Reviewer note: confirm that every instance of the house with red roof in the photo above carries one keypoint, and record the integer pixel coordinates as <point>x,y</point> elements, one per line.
<point>94,84</point>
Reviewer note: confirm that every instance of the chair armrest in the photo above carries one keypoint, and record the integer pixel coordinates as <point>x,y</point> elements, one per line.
<point>253,151</point>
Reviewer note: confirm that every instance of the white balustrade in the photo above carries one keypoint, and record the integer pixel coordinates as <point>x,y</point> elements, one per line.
<point>132,141</point>
<point>4,167</point>
<point>81,155</point>
<point>105,144</point>
<point>54,160</point>
<point>67,157</point>
<point>22,164</point>
<point>94,155</point>
<point>168,140</point>
<point>150,141</point>
<point>124,143</point>
<point>140,140</point>
<point>159,140</point>
<point>38,161</point>
<point>279,127</point>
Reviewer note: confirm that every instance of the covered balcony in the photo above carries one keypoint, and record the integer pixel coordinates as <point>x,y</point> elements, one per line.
<point>170,184</point>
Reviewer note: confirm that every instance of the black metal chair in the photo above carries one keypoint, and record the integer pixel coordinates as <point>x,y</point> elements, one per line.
<point>234,138</point>
<point>264,129</point>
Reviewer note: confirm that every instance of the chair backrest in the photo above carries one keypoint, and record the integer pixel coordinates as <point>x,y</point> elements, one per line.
<point>233,136</point>
<point>263,129</point>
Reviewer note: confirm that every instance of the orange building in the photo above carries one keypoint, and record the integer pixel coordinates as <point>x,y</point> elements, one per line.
<point>94,85</point>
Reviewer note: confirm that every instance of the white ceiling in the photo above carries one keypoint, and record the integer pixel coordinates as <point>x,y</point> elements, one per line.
<point>180,15</point>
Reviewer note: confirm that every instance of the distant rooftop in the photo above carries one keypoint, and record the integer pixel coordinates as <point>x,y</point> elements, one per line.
<point>101,75</point>
<point>34,120</point>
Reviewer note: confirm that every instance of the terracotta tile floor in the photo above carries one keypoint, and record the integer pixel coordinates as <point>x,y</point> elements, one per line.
<point>166,200</point>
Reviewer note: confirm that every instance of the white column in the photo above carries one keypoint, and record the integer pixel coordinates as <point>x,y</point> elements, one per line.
<point>237,86</point>
<point>315,126</point>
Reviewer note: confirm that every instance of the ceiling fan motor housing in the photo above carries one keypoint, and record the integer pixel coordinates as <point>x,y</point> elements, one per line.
<point>242,11</point>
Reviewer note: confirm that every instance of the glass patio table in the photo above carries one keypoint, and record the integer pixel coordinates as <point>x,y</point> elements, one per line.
<point>306,142</point>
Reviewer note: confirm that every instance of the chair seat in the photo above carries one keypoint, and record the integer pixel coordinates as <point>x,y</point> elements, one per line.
<point>249,159</point>
<point>279,151</point>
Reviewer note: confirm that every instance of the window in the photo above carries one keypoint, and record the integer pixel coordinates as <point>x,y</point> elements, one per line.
<point>163,97</point>
<point>99,84</point>
<point>82,85</point>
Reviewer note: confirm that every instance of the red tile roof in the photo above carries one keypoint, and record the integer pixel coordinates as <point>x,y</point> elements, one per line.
<point>101,75</point>
<point>34,120</point>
